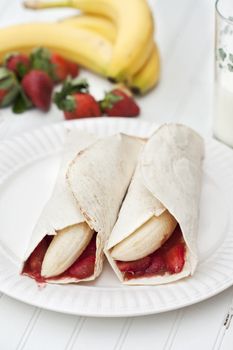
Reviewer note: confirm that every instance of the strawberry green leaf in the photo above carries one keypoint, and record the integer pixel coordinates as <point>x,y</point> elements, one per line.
<point>63,99</point>
<point>22,103</point>
<point>10,97</point>
<point>22,69</point>
<point>65,104</point>
<point>6,83</point>
<point>69,104</point>
<point>79,85</point>
<point>109,100</point>
<point>9,84</point>
<point>40,59</point>
<point>5,75</point>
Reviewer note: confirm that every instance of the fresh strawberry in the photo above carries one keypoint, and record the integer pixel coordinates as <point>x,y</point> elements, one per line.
<point>82,106</point>
<point>157,264</point>
<point>63,67</point>
<point>18,63</point>
<point>174,258</point>
<point>40,59</point>
<point>82,268</point>
<point>75,100</point>
<point>38,87</point>
<point>134,266</point>
<point>117,103</point>
<point>9,87</point>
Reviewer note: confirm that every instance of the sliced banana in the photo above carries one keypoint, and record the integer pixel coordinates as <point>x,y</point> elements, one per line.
<point>146,239</point>
<point>65,248</point>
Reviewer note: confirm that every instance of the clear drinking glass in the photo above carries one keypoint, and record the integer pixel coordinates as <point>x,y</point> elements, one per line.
<point>223,102</point>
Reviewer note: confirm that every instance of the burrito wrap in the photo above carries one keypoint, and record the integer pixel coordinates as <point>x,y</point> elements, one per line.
<point>53,216</point>
<point>100,172</point>
<point>168,176</point>
<point>100,165</point>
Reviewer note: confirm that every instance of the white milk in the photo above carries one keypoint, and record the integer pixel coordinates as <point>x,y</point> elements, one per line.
<point>223,114</point>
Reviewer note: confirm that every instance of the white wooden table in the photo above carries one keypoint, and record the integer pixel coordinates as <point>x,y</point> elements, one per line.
<point>185,33</point>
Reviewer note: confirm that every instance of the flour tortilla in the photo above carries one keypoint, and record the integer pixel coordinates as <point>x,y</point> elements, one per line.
<point>85,158</point>
<point>60,211</point>
<point>98,178</point>
<point>168,176</point>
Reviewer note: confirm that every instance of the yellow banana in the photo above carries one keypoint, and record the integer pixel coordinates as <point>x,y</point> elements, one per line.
<point>148,75</point>
<point>77,44</point>
<point>65,248</point>
<point>146,239</point>
<point>143,80</point>
<point>134,24</point>
<point>100,24</point>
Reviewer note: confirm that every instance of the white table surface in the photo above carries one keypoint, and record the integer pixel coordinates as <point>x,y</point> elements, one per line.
<point>185,34</point>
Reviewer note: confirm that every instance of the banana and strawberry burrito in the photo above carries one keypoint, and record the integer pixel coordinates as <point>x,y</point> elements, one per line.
<point>67,242</point>
<point>154,238</point>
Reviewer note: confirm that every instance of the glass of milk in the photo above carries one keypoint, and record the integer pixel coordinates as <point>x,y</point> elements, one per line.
<point>223,99</point>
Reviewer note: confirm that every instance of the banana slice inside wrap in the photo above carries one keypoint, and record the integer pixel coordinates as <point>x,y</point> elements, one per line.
<point>65,248</point>
<point>146,239</point>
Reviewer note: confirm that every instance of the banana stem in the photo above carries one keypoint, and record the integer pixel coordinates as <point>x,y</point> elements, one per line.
<point>38,5</point>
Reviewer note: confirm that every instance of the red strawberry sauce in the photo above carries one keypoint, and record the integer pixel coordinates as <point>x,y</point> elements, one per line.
<point>82,268</point>
<point>170,258</point>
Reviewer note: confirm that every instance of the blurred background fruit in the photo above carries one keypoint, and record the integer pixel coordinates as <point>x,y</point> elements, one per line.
<point>99,38</point>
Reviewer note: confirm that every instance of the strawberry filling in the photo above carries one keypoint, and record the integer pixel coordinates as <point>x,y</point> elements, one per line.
<point>169,258</point>
<point>82,268</point>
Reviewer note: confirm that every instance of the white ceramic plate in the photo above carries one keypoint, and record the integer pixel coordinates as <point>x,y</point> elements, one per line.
<point>28,167</point>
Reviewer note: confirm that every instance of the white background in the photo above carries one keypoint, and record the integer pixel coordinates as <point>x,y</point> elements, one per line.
<point>185,34</point>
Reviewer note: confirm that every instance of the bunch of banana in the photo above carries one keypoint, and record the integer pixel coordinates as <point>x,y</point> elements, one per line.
<point>113,38</point>
<point>147,76</point>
